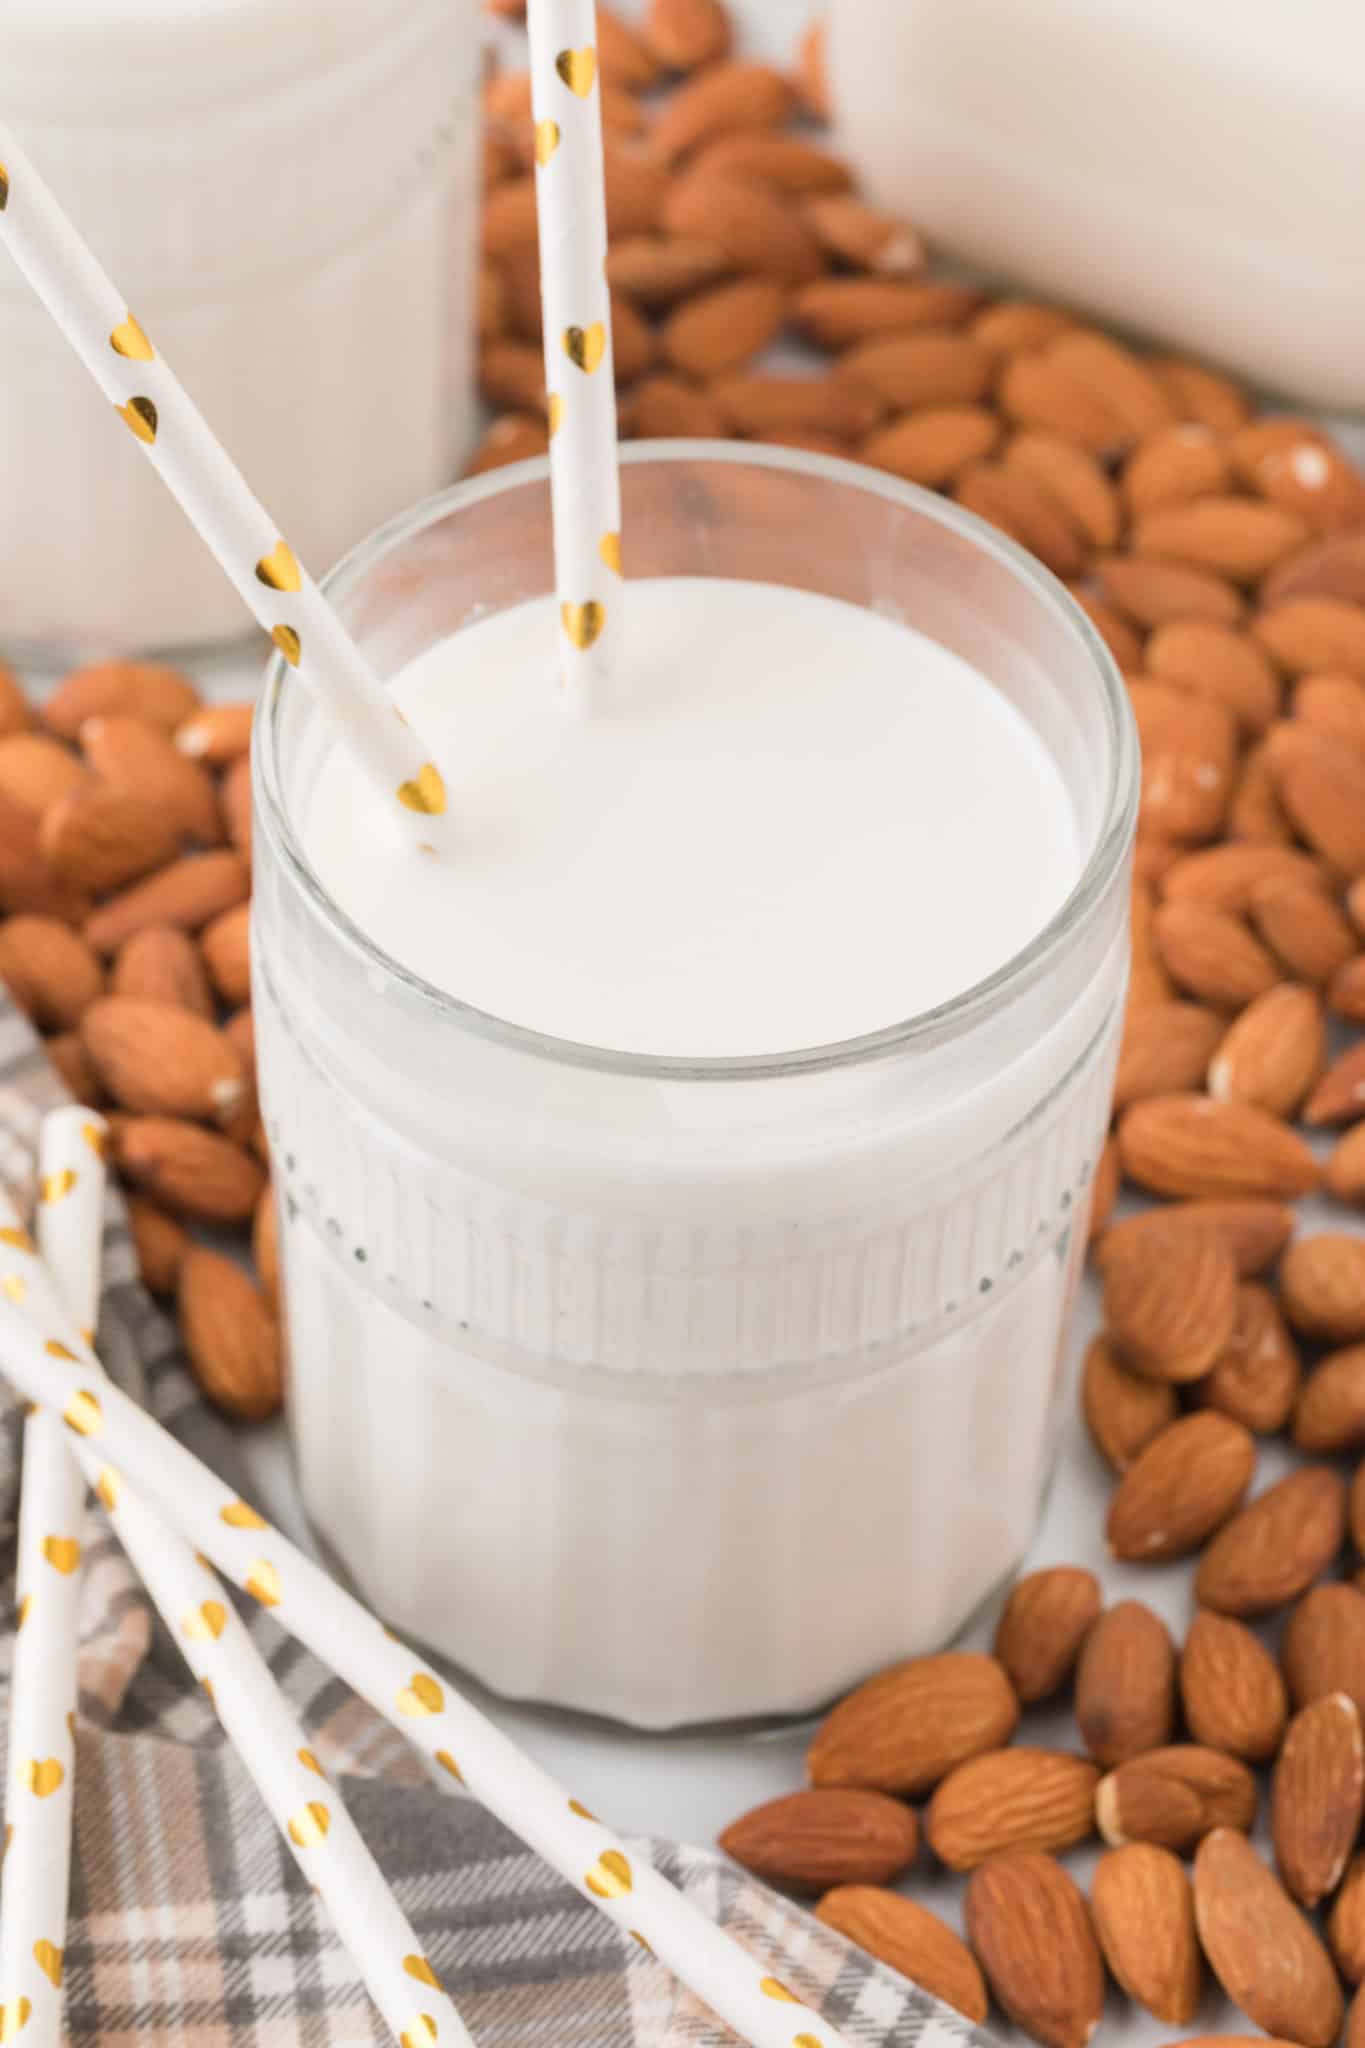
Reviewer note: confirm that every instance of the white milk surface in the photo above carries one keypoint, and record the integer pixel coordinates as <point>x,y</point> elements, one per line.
<point>792,826</point>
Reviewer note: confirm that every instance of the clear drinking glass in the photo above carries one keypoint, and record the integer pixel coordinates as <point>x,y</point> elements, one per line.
<point>689,1390</point>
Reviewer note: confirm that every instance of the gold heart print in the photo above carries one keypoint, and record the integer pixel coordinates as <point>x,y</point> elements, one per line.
<point>17,1240</point>
<point>578,69</point>
<point>309,1825</point>
<point>97,1138</point>
<point>583,622</point>
<point>547,140</point>
<point>14,1287</point>
<point>448,1763</point>
<point>420,1968</point>
<point>82,1413</point>
<point>772,1987</point>
<point>53,1187</point>
<point>41,1776</point>
<point>55,1348</point>
<point>139,416</point>
<point>49,1959</point>
<point>107,1487</point>
<point>263,1583</point>
<point>238,1515</point>
<point>419,2033</point>
<point>15,2011</point>
<point>279,570</point>
<point>609,549</point>
<point>554,412</point>
<point>422,1695</point>
<point>289,644</point>
<point>577,1806</point>
<point>427,793</point>
<point>63,1553</point>
<point>808,2041</point>
<point>310,1763</point>
<point>635,1935</point>
<point>586,346</point>
<point>4,202</point>
<point>21,1615</point>
<point>129,340</point>
<point>206,1623</point>
<point>610,1877</point>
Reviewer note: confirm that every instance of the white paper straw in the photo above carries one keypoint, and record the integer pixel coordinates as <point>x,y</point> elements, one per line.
<point>197,470</point>
<point>576,317</point>
<point>38,1802</point>
<point>59,1370</point>
<point>320,1832</point>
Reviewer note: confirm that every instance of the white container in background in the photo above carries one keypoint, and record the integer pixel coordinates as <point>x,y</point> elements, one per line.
<point>287,194</point>
<point>1192,169</point>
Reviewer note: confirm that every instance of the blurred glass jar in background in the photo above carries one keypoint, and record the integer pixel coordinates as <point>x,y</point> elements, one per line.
<point>288,196</point>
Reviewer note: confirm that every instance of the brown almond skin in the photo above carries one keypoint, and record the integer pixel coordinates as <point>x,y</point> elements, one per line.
<point>1256,1381</point>
<point>1125,1684</point>
<point>1346,1923</point>
<point>235,801</point>
<point>1345,1177</point>
<point>162,1060</point>
<point>1274,1548</point>
<point>162,964</point>
<point>1322,1650</point>
<point>1227,877</point>
<point>1123,1411</point>
<point>1274,1053</point>
<point>1214,956</point>
<point>187,893</point>
<point>194,1172</point>
<point>1245,1916</point>
<point>905,1935</point>
<point>718,331</point>
<point>1166,1049</point>
<point>1231,1689</point>
<point>903,1730</point>
<point>231,1337</point>
<point>1143,1909</point>
<point>226,946</point>
<point>726,96</point>
<point>1174,1797</point>
<point>128,754</point>
<point>143,689</point>
<point>685,33</point>
<point>1011,1799</point>
<point>68,1056</point>
<point>1186,1145</point>
<point>1339,1097</point>
<point>1255,1231</point>
<point>1042,1626</point>
<point>1031,1933</point>
<point>49,970</point>
<point>160,1243</point>
<point>1330,1412</point>
<point>1170,1299</point>
<point>1180,1488</point>
<point>1317,1797</point>
<point>265,1248</point>
<point>100,839</point>
<point>1322,1287</point>
<point>816,1838</point>
<point>1355,1511</point>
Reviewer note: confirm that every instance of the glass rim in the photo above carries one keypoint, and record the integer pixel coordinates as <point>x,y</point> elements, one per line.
<point>921,1031</point>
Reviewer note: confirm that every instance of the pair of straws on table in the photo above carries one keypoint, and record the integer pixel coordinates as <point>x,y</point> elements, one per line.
<point>178,1522</point>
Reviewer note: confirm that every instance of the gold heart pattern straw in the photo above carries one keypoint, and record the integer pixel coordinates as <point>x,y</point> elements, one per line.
<point>197,470</point>
<point>44,1356</point>
<point>38,1797</point>
<point>579,381</point>
<point>190,1599</point>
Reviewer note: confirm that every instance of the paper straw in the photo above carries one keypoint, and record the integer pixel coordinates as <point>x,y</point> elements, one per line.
<point>320,1832</point>
<point>576,318</point>
<point>258,561</point>
<point>37,1867</point>
<point>59,1370</point>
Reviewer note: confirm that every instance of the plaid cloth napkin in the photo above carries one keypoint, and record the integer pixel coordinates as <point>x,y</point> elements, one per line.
<point>191,1922</point>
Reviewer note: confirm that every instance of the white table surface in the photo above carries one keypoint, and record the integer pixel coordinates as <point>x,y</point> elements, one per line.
<point>689,1786</point>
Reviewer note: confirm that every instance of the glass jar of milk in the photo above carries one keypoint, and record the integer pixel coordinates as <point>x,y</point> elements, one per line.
<point>287,194</point>
<point>684,1178</point>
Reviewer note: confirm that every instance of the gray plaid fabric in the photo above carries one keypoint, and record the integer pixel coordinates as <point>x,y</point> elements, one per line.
<point>190,1920</point>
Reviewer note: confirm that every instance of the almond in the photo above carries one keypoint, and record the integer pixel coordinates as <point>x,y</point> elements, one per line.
<point>1180,1488</point>
<point>26,881</point>
<point>1321,785</point>
<point>186,894</point>
<point>1229,877</point>
<point>49,970</point>
<point>15,712</point>
<point>226,944</point>
<point>1313,479</point>
<point>1118,636</point>
<point>265,1248</point>
<point>1334,705</point>
<point>1259,440</point>
<point>68,1056</point>
<point>757,404</point>
<point>1031,1933</point>
<point>217,733</point>
<point>1256,1380</point>
<point>1037,392</point>
<point>1255,813</point>
<point>718,330</point>
<point>1188,1145</point>
<point>906,1728</point>
<point>1307,633</point>
<point>1339,1097</point>
<point>1245,1917</point>
<point>725,96</point>
<point>1170,1298</point>
<point>1216,662</point>
<point>1303,928</point>
<point>1104,1191</point>
<point>686,33</point>
<point>623,56</point>
<point>1355,1514</point>
<point>909,1938</point>
<point>1322,1287</point>
<point>1189,758</point>
<point>1234,537</point>
<point>634,344</point>
<point>934,445</point>
<point>1125,1684</point>
<point>231,1337</point>
<point>1322,1650</point>
<point>1232,1692</point>
<point>98,839</point>
<point>1172,467</point>
<point>1148,981</point>
<point>1011,1799</point>
<point>1317,1796</point>
<point>160,1243</point>
<point>195,1172</point>
<point>1201,394</point>
<point>812,76</point>
<point>1273,1053</point>
<point>1345,1175</point>
<point>1254,1232</point>
<point>513,437</point>
<point>855,233</point>
<point>1122,1411</point>
<point>1330,1413</point>
<point>1143,1910</point>
<point>934,366</point>
<point>512,377</point>
<point>1174,1797</point>
<point>838,311</point>
<point>1332,569</point>
<point>1270,1551</point>
<point>143,689</point>
<point>35,770</point>
<point>1020,507</point>
<point>1213,956</point>
<point>1042,1626</point>
<point>163,965</point>
<point>161,1059</point>
<point>1346,1933</point>
<point>656,273</point>
<point>1117,377</point>
<point>1013,327</point>
<point>490,294</point>
<point>1346,992</point>
<point>1158,593</point>
<point>662,407</point>
<point>128,754</point>
<point>816,1838</point>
